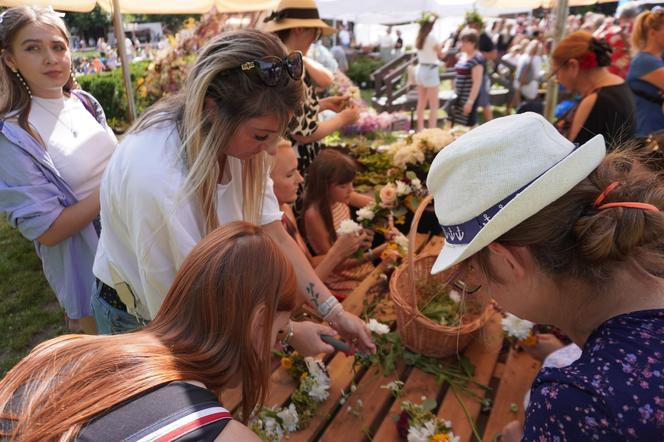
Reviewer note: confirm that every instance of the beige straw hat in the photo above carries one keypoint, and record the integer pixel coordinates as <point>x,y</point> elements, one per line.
<point>498,175</point>
<point>296,14</point>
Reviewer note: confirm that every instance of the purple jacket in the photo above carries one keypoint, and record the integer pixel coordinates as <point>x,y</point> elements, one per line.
<point>32,195</point>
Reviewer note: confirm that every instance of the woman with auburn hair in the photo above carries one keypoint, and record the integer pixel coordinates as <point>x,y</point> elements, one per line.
<point>581,63</point>
<point>54,145</point>
<point>570,236</point>
<point>197,160</point>
<point>214,331</point>
<point>646,71</point>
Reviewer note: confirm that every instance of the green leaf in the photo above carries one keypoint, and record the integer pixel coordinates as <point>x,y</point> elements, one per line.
<point>429,404</point>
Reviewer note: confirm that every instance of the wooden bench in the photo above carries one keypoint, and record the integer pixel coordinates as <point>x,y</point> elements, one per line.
<point>392,93</point>
<point>507,372</point>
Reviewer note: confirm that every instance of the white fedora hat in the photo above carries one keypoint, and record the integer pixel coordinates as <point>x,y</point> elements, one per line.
<point>500,174</point>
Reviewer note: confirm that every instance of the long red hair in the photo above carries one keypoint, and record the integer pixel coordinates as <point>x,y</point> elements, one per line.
<point>202,333</point>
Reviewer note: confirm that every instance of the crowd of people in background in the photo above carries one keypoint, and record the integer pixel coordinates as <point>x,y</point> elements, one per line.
<point>155,241</point>
<point>609,70</point>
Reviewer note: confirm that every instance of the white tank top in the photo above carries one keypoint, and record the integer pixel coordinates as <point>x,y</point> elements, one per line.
<point>428,55</point>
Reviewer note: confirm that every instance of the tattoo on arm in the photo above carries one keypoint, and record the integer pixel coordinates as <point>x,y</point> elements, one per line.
<point>313,294</point>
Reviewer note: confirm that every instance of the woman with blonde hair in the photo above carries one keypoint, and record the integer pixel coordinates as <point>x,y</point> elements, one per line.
<point>54,145</point>
<point>164,382</point>
<point>192,162</point>
<point>646,71</point>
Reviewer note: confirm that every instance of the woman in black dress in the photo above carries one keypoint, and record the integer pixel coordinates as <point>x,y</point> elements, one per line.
<point>607,106</point>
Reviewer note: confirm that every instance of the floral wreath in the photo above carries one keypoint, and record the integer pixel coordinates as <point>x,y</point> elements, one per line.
<point>427,17</point>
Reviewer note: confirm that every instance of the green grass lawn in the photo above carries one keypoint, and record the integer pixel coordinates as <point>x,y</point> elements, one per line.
<point>29,311</point>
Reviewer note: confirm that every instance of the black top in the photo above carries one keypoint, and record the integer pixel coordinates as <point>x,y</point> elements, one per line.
<point>613,116</point>
<point>156,408</point>
<point>485,43</point>
<point>504,42</point>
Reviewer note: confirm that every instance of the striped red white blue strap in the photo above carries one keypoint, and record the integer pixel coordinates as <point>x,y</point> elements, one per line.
<point>187,424</point>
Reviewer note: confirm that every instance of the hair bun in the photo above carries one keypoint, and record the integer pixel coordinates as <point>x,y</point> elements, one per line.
<point>611,234</point>
<point>617,233</point>
<point>602,50</point>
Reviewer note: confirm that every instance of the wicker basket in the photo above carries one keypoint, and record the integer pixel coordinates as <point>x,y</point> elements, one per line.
<point>418,332</point>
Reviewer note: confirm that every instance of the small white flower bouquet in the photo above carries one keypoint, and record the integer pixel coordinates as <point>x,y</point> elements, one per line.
<point>519,330</point>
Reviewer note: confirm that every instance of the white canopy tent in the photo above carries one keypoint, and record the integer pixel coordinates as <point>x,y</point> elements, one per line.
<point>399,11</point>
<point>152,6</point>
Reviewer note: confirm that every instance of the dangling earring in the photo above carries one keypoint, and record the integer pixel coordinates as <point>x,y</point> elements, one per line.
<point>73,79</point>
<point>22,80</point>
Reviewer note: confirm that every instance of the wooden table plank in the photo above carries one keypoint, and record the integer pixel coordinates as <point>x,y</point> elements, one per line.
<point>341,376</point>
<point>417,385</point>
<point>518,375</point>
<point>483,353</point>
<point>370,401</point>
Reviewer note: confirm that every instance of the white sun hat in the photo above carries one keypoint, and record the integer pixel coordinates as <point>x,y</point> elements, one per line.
<point>503,172</point>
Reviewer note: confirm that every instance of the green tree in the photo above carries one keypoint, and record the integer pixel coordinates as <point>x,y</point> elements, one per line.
<point>93,24</point>
<point>170,22</point>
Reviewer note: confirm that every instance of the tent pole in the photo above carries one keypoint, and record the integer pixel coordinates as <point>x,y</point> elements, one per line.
<point>122,49</point>
<point>552,85</point>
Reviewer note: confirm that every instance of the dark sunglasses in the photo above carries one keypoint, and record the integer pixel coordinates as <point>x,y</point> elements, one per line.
<point>272,70</point>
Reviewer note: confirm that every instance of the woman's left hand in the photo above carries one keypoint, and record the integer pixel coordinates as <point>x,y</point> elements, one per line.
<point>306,338</point>
<point>354,331</point>
<point>467,108</point>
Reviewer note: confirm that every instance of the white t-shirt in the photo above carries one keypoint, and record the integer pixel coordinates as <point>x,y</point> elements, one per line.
<point>531,88</point>
<point>149,225</point>
<point>386,41</point>
<point>81,158</point>
<point>428,54</point>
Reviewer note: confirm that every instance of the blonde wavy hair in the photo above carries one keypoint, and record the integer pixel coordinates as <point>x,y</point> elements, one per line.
<point>239,96</point>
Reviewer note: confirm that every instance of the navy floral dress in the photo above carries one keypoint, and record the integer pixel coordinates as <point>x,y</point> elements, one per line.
<point>613,392</point>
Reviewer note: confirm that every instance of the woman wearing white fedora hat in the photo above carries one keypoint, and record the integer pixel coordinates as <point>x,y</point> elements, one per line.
<point>298,25</point>
<point>572,237</point>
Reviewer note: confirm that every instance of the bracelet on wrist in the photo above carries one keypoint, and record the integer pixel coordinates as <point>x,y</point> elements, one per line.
<point>326,306</point>
<point>336,310</point>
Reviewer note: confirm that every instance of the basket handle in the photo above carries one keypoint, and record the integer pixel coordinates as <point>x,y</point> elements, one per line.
<point>411,248</point>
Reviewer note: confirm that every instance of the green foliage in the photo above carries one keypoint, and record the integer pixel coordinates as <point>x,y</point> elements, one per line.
<point>361,68</point>
<point>171,23</point>
<point>473,16</point>
<point>108,89</point>
<point>89,24</point>
<point>29,311</point>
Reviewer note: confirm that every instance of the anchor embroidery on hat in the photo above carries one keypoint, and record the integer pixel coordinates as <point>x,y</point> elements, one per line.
<point>464,233</point>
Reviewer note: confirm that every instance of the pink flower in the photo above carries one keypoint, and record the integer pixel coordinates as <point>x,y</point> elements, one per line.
<point>388,196</point>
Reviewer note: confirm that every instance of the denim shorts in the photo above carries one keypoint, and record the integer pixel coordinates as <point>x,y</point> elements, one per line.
<point>427,75</point>
<point>111,320</point>
<point>484,97</point>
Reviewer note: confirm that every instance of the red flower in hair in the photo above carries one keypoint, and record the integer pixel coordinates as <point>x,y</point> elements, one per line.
<point>588,61</point>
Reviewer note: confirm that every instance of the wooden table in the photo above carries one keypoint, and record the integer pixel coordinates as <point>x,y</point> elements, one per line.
<point>509,374</point>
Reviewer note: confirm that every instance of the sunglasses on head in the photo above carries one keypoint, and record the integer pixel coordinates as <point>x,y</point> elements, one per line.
<point>272,70</point>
